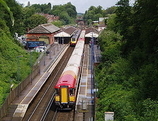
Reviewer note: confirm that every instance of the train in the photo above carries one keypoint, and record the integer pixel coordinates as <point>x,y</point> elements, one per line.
<point>74,38</point>
<point>66,87</point>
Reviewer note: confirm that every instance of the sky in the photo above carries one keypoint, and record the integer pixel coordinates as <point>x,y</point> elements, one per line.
<point>81,5</point>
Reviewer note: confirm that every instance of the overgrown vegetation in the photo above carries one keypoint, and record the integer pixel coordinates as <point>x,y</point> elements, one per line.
<point>14,60</point>
<point>67,13</point>
<point>127,76</point>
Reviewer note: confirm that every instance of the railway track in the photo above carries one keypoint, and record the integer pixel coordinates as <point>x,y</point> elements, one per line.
<point>64,116</point>
<point>55,115</point>
<point>40,106</point>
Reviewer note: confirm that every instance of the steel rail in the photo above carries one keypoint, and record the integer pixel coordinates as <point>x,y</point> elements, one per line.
<point>44,94</point>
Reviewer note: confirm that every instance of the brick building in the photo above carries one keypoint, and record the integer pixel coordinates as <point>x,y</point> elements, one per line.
<point>43,32</point>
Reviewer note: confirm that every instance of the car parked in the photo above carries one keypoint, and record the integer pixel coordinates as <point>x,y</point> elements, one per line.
<point>40,48</point>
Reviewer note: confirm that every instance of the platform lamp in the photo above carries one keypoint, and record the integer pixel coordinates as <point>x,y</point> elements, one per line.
<point>30,67</point>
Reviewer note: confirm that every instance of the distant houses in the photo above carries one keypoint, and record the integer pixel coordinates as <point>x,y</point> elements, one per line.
<point>50,18</point>
<point>100,25</point>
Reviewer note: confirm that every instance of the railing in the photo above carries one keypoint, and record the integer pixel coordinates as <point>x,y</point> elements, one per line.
<point>15,92</point>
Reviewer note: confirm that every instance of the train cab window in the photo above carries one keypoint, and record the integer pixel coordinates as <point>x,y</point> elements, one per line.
<point>73,39</point>
<point>71,91</point>
<point>57,91</point>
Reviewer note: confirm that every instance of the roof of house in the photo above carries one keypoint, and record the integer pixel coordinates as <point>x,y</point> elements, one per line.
<point>44,28</point>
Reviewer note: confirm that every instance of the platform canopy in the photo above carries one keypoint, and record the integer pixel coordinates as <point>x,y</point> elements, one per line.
<point>91,34</point>
<point>62,34</point>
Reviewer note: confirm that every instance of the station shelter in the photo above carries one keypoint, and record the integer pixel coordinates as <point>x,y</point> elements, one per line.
<point>65,34</point>
<point>91,33</point>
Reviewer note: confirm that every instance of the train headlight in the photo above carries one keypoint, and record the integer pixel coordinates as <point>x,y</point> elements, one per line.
<point>72,98</point>
<point>57,98</point>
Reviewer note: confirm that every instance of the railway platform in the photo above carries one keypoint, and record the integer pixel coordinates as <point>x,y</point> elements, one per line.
<point>86,95</point>
<point>47,63</point>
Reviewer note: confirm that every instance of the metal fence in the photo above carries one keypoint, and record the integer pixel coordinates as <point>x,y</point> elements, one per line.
<point>35,71</point>
<point>15,92</point>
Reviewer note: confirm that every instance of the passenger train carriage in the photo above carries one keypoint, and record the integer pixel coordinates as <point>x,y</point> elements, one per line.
<point>66,86</point>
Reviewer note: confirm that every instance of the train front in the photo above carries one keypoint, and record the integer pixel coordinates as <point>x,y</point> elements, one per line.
<point>73,41</point>
<point>74,38</point>
<point>65,92</point>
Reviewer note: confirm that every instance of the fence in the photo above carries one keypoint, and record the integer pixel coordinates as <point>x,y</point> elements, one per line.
<point>15,92</point>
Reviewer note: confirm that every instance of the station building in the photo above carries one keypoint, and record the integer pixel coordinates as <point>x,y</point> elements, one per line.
<point>43,32</point>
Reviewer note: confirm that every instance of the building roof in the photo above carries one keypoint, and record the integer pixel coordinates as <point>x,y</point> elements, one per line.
<point>44,28</point>
<point>62,34</point>
<point>91,29</point>
<point>91,32</point>
<point>70,30</point>
<point>65,32</point>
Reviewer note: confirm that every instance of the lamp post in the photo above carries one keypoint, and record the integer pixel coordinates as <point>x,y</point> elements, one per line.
<point>11,85</point>
<point>62,40</point>
<point>30,67</point>
<point>50,57</point>
<point>44,58</point>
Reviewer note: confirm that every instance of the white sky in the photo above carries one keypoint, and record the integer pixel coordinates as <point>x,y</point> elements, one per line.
<point>81,5</point>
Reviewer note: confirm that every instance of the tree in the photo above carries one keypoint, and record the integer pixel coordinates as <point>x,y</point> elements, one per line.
<point>93,14</point>
<point>8,9</point>
<point>65,17</point>
<point>42,8</point>
<point>35,20</point>
<point>67,12</point>
<point>58,23</point>
<point>129,66</point>
<point>110,10</point>
<point>71,10</point>
<point>123,14</point>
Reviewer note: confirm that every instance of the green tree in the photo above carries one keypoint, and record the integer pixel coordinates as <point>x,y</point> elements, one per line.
<point>15,14</point>
<point>129,65</point>
<point>3,3</point>
<point>58,23</point>
<point>93,14</point>
<point>71,10</point>
<point>35,20</point>
<point>109,10</point>
<point>123,17</point>
<point>65,17</point>
<point>42,8</point>
<point>67,12</point>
